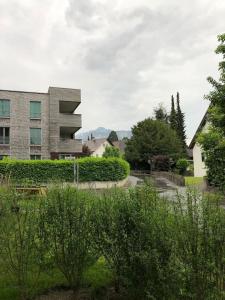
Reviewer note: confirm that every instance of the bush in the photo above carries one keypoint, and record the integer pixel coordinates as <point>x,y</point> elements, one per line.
<point>199,240</point>
<point>131,230</point>
<point>153,248</point>
<point>111,152</point>
<point>19,244</point>
<point>64,226</point>
<point>182,165</point>
<point>158,249</point>
<point>43,171</point>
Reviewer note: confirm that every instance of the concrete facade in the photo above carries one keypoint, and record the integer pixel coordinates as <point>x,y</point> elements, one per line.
<point>58,123</point>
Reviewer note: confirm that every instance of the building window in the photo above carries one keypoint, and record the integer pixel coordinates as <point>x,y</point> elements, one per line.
<point>66,156</point>
<point>35,136</point>
<point>203,156</point>
<point>35,109</point>
<point>4,108</point>
<point>35,156</point>
<point>4,135</point>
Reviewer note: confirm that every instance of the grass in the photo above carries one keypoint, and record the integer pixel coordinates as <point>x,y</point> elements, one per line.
<point>97,276</point>
<point>191,180</point>
<point>9,291</point>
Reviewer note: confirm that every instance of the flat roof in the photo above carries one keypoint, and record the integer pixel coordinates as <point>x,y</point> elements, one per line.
<point>13,91</point>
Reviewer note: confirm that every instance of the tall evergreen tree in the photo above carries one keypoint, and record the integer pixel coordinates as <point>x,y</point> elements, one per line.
<point>173,115</point>
<point>160,113</point>
<point>113,136</point>
<point>180,123</point>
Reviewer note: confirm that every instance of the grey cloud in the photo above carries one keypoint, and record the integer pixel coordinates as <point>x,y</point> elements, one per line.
<point>125,55</point>
<point>85,14</point>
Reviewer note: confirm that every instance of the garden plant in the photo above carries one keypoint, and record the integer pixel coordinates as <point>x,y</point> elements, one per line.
<point>120,243</point>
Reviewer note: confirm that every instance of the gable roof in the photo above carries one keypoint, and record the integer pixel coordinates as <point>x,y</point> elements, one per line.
<point>199,129</point>
<point>120,145</point>
<point>94,144</point>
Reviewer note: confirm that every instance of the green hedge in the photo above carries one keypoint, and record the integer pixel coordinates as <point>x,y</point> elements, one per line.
<point>43,171</point>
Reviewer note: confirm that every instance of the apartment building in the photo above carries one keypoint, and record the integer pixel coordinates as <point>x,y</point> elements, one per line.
<point>39,125</point>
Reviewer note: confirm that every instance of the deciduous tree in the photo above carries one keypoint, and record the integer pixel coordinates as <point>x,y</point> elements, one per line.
<point>213,141</point>
<point>149,138</point>
<point>111,152</point>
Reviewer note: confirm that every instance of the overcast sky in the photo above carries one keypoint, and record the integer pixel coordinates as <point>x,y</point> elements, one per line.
<point>126,56</point>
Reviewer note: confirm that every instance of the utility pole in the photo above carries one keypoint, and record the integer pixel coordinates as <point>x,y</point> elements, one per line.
<point>75,172</point>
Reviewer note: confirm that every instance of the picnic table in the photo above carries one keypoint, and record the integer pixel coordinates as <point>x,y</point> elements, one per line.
<point>32,190</point>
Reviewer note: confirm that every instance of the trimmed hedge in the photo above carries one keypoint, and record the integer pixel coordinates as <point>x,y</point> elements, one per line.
<point>44,171</point>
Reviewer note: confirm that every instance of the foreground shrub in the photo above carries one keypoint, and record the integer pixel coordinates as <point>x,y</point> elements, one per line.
<point>65,230</point>
<point>199,236</point>
<point>19,245</point>
<point>43,171</point>
<point>132,231</point>
<point>153,248</point>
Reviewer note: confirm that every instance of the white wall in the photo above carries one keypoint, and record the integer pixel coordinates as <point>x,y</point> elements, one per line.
<point>199,165</point>
<point>101,149</point>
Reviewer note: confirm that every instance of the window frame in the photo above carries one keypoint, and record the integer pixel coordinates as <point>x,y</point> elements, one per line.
<point>31,144</point>
<point>35,117</point>
<point>35,155</point>
<point>203,157</point>
<point>9,111</point>
<point>4,136</point>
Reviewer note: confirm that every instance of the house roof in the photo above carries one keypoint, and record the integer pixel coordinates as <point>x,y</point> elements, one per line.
<point>94,144</point>
<point>199,129</point>
<point>189,152</point>
<point>120,145</point>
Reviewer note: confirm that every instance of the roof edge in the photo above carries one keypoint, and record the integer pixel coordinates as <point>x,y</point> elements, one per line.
<point>201,125</point>
<point>26,92</point>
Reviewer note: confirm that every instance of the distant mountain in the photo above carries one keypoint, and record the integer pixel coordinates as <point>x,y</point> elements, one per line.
<point>102,132</point>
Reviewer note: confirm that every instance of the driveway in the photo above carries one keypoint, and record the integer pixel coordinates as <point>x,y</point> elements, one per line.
<point>164,186</point>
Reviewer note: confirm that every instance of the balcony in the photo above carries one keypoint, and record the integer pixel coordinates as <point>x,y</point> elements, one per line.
<point>69,145</point>
<point>68,106</point>
<point>65,94</point>
<point>70,120</point>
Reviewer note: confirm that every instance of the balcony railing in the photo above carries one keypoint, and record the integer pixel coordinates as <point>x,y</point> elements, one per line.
<point>70,120</point>
<point>70,145</point>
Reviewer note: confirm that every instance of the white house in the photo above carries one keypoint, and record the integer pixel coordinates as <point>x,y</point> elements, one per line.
<point>97,146</point>
<point>198,154</point>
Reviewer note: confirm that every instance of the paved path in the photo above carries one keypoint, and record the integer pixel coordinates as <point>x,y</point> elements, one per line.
<point>167,188</point>
<point>164,186</point>
<point>133,181</point>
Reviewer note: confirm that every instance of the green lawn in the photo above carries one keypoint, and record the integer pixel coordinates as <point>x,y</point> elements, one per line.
<point>191,180</point>
<point>96,277</point>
